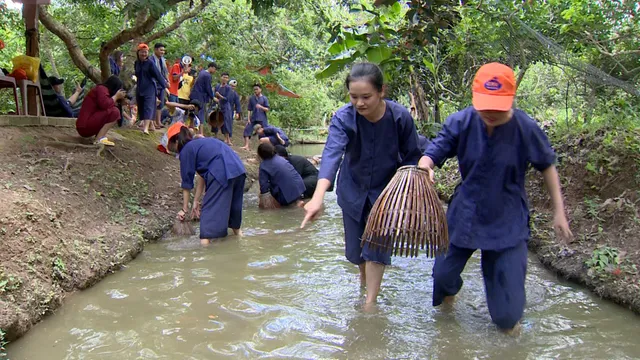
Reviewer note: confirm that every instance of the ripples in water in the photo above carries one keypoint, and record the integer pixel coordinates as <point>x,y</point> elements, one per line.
<point>281,292</point>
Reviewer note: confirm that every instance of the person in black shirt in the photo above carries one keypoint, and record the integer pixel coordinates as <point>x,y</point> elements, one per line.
<point>304,167</point>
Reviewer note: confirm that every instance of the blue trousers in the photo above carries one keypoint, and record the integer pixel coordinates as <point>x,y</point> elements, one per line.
<point>227,126</point>
<point>353,230</point>
<point>221,207</point>
<point>504,273</point>
<point>162,96</point>
<point>146,107</point>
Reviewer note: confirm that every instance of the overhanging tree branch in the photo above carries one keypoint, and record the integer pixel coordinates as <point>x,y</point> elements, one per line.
<point>77,56</point>
<point>144,24</point>
<point>176,24</point>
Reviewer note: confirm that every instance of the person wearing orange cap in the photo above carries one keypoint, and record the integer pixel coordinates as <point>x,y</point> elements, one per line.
<point>148,79</point>
<point>494,144</point>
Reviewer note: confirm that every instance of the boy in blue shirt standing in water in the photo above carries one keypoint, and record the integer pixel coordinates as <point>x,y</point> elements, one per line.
<point>494,144</point>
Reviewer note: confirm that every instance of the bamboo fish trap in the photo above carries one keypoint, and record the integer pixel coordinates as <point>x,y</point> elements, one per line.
<point>216,119</point>
<point>267,201</point>
<point>408,216</point>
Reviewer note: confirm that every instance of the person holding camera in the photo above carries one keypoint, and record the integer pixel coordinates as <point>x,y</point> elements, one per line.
<point>99,111</point>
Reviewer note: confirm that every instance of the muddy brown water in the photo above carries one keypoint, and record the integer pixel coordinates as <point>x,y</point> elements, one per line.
<point>279,292</point>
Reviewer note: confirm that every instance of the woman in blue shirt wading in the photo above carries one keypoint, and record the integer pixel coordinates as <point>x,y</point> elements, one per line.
<point>494,144</point>
<point>373,134</point>
<point>221,177</point>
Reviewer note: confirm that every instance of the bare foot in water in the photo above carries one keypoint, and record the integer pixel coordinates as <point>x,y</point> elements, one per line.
<point>237,232</point>
<point>300,204</point>
<point>370,307</point>
<point>448,302</point>
<point>514,331</point>
<point>245,148</point>
<point>204,242</point>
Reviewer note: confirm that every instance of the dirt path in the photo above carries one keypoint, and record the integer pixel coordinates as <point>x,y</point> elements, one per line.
<point>68,217</point>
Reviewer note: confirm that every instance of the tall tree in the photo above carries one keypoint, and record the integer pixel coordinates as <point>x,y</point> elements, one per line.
<point>145,14</point>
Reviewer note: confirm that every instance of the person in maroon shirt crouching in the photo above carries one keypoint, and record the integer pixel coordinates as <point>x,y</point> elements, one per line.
<point>99,111</point>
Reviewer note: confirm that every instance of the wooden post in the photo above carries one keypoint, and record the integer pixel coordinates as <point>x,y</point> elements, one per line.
<point>30,16</point>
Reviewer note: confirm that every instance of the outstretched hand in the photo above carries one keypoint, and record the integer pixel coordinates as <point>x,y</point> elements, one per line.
<point>312,210</point>
<point>561,227</point>
<point>195,211</point>
<point>426,163</point>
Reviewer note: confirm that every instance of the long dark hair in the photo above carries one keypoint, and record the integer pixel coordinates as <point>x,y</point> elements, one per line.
<point>266,151</point>
<point>368,72</point>
<point>117,55</point>
<point>113,84</point>
<point>182,138</point>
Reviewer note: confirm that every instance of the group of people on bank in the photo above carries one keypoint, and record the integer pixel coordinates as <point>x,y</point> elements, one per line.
<point>178,93</point>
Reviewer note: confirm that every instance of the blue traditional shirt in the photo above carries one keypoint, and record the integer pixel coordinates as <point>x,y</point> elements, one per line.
<point>210,158</point>
<point>202,87</point>
<point>148,76</point>
<point>280,178</point>
<point>271,132</point>
<point>234,100</point>
<point>227,92</point>
<point>489,209</point>
<point>372,153</point>
<point>258,115</point>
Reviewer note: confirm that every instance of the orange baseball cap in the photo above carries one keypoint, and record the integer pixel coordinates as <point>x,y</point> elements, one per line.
<point>172,131</point>
<point>143,46</point>
<point>494,87</point>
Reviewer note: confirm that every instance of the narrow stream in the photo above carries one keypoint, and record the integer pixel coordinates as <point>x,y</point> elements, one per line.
<point>280,292</point>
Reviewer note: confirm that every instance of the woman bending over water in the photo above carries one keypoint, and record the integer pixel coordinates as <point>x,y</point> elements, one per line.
<point>221,177</point>
<point>370,132</point>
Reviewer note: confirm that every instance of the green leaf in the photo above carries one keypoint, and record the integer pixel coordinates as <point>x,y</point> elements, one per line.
<point>331,69</point>
<point>336,48</point>
<point>429,65</point>
<point>395,9</point>
<point>378,54</point>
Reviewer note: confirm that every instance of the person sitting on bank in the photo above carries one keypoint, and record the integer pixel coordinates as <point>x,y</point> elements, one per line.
<point>99,111</point>
<point>66,105</point>
<point>179,112</point>
<point>271,134</point>
<point>304,167</point>
<point>278,177</point>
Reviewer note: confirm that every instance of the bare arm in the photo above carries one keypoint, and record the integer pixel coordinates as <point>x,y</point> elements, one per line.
<point>199,190</point>
<point>186,195</point>
<point>560,223</point>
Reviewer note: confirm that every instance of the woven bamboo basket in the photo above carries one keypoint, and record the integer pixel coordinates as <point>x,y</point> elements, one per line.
<point>267,201</point>
<point>408,217</point>
<point>216,119</point>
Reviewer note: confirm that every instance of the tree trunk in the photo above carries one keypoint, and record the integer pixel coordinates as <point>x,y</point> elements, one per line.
<point>521,75</point>
<point>144,25</point>
<point>30,16</point>
<point>46,47</point>
<point>420,98</point>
